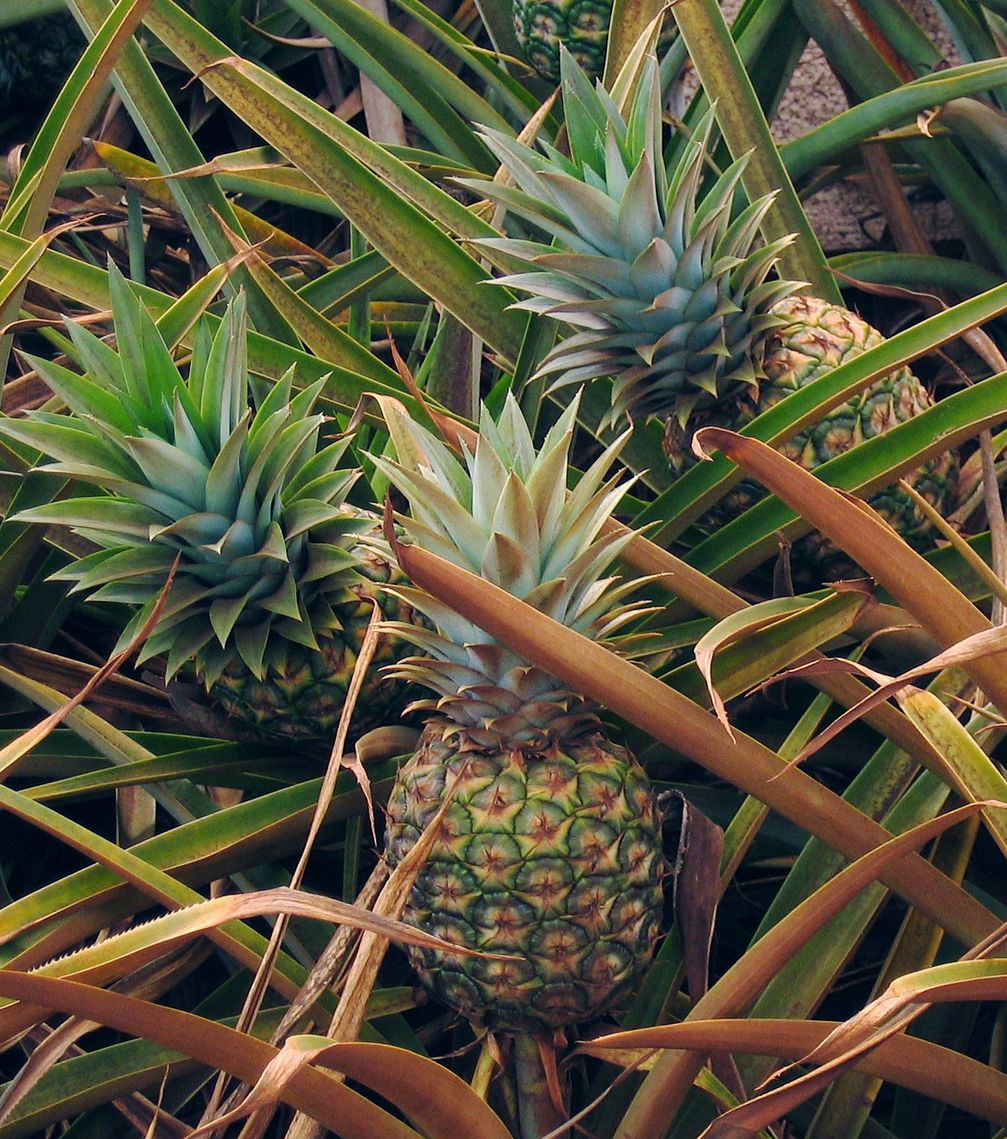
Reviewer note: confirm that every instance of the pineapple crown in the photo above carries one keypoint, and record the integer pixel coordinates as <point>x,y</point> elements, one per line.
<point>503,512</point>
<point>671,295</point>
<point>246,499</point>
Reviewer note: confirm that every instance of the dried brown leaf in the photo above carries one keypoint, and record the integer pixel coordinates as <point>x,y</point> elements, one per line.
<point>906,1061</point>
<point>669,1082</point>
<point>922,590</point>
<point>989,642</point>
<point>697,892</point>
<point>345,1112</point>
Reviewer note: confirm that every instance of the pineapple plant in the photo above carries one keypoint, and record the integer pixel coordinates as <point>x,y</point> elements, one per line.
<point>273,589</point>
<point>674,297</point>
<point>550,845</point>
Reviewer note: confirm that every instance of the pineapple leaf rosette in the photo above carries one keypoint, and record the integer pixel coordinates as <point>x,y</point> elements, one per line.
<point>673,295</point>
<point>550,845</point>
<point>273,590</point>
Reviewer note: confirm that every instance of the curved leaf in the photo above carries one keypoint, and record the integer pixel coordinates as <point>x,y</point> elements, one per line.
<point>323,147</point>
<point>940,1072</point>
<point>344,1112</point>
<point>922,590</point>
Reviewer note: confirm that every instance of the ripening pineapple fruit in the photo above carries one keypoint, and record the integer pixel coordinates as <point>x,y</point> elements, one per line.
<point>273,591</point>
<point>550,847</point>
<point>545,28</point>
<point>581,26</point>
<point>674,298</point>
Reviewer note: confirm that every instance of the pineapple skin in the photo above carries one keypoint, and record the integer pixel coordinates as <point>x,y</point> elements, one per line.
<point>549,845</point>
<point>816,337</point>
<point>581,26</point>
<point>553,855</point>
<point>225,494</point>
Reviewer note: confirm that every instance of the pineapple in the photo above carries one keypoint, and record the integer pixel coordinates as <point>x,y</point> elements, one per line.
<point>581,26</point>
<point>545,28</point>
<point>674,296</point>
<point>550,847</point>
<point>273,590</point>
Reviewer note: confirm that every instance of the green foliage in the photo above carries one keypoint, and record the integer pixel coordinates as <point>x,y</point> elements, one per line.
<point>247,152</point>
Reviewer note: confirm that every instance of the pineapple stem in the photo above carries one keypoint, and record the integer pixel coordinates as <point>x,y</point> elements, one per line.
<point>745,128</point>
<point>537,1113</point>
